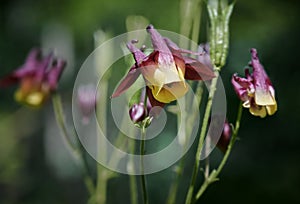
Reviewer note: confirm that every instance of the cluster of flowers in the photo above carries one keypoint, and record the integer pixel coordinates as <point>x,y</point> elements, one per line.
<point>164,71</point>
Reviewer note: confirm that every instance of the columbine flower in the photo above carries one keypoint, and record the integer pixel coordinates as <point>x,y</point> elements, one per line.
<point>256,90</point>
<point>38,77</point>
<point>87,100</point>
<point>164,70</point>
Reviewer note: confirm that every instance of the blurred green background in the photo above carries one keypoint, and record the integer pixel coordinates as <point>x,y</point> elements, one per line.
<point>265,163</point>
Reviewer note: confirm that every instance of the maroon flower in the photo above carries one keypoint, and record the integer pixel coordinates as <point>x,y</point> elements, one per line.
<point>256,89</point>
<point>38,77</point>
<point>164,70</point>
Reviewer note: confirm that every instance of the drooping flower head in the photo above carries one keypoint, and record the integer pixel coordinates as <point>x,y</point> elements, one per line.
<point>256,89</point>
<point>164,70</point>
<point>38,77</point>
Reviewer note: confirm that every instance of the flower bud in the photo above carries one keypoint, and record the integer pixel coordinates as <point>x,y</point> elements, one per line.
<point>137,112</point>
<point>225,137</point>
<point>86,97</point>
<point>219,14</point>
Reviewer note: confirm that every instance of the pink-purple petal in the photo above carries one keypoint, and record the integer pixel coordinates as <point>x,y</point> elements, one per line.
<point>174,48</point>
<point>32,62</point>
<point>261,79</point>
<point>241,86</point>
<point>42,67</point>
<point>127,81</point>
<point>194,70</point>
<point>55,73</point>
<point>138,55</point>
<point>205,57</point>
<point>165,57</point>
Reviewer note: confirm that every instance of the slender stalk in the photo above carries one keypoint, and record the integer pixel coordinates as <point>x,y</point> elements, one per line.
<point>102,173</point>
<point>189,197</point>
<point>59,116</point>
<point>77,149</point>
<point>196,23</point>
<point>213,176</point>
<point>115,158</point>
<point>143,177</point>
<point>101,62</point>
<point>132,178</point>
<point>101,185</point>
<point>188,23</point>
<point>206,171</point>
<point>174,186</point>
<point>189,121</point>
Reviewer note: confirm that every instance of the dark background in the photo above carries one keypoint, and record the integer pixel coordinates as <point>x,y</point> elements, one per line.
<point>265,163</point>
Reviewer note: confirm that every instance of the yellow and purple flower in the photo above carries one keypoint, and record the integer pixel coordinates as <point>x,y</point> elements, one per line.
<point>164,70</point>
<point>256,90</point>
<point>38,77</point>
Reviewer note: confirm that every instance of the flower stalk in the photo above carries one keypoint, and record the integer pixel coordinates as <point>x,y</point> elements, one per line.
<point>103,174</point>
<point>215,173</point>
<point>77,149</point>
<point>189,198</point>
<point>143,177</point>
<point>219,14</point>
<point>132,178</point>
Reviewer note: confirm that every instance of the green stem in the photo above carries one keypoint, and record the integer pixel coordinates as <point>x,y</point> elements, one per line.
<point>189,121</point>
<point>186,26</point>
<point>101,184</point>
<point>59,116</point>
<point>115,158</point>
<point>103,174</point>
<point>77,149</point>
<point>213,176</point>
<point>196,23</point>
<point>206,171</point>
<point>132,178</point>
<point>174,186</point>
<point>189,198</point>
<point>143,177</point>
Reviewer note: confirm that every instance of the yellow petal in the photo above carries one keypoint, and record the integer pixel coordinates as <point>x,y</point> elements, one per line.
<point>153,75</point>
<point>181,75</point>
<point>271,109</point>
<point>258,111</point>
<point>34,99</point>
<point>158,75</point>
<point>169,92</point>
<point>264,98</point>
